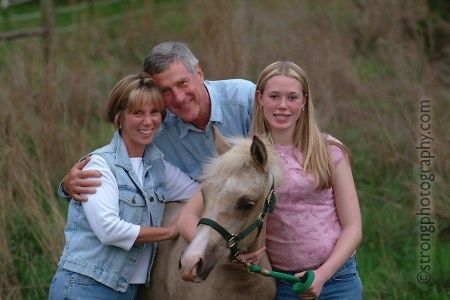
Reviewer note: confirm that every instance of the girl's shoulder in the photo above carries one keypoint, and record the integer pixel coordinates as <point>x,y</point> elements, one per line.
<point>337,149</point>
<point>331,139</point>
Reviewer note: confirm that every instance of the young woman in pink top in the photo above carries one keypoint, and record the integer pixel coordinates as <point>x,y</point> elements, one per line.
<point>317,222</point>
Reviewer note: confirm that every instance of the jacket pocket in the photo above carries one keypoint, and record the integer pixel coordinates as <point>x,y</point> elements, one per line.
<point>131,204</point>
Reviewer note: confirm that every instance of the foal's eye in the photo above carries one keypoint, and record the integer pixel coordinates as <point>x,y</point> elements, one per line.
<point>245,205</point>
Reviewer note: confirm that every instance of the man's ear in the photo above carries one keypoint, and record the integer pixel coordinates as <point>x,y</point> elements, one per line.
<point>199,73</point>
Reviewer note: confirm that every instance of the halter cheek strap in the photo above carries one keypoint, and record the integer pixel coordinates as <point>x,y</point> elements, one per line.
<point>234,239</point>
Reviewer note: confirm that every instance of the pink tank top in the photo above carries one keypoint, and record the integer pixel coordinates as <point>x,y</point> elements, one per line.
<point>302,231</point>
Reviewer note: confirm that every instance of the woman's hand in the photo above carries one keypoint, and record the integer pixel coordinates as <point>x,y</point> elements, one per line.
<point>149,234</point>
<point>173,230</point>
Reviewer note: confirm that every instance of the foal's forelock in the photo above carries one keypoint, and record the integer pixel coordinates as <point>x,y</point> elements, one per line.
<point>239,158</point>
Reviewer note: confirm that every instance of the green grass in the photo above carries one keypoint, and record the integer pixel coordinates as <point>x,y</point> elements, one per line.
<point>388,256</point>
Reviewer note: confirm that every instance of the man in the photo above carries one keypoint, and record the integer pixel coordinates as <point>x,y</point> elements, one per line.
<point>194,105</point>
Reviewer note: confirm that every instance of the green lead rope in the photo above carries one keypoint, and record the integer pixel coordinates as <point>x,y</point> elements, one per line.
<point>301,285</point>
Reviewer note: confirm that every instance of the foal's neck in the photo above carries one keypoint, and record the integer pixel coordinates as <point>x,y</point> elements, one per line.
<point>259,242</point>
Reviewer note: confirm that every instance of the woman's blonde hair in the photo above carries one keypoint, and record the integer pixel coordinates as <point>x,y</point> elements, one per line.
<point>129,94</point>
<point>307,137</point>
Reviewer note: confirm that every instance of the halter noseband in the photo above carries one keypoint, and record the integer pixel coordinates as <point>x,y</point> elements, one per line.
<point>233,239</point>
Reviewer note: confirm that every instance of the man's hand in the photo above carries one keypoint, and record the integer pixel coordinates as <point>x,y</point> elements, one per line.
<point>75,182</point>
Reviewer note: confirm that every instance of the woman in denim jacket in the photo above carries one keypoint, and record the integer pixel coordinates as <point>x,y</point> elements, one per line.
<point>111,239</point>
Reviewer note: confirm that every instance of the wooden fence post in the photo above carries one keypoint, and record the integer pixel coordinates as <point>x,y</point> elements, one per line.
<point>48,21</point>
<point>51,108</point>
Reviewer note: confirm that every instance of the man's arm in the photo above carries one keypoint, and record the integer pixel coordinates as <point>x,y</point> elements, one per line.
<point>74,184</point>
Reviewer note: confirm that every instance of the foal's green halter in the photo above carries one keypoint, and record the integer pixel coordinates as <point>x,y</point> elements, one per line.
<point>234,239</point>
<point>301,284</point>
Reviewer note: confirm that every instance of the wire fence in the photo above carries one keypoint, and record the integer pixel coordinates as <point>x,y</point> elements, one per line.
<point>38,18</point>
<point>44,18</point>
<point>8,3</point>
<point>40,21</point>
<point>30,18</point>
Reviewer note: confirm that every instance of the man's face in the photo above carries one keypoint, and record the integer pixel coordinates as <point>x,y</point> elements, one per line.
<point>181,90</point>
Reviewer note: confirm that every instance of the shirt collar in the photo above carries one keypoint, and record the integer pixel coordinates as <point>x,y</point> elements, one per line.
<point>215,117</point>
<point>123,160</point>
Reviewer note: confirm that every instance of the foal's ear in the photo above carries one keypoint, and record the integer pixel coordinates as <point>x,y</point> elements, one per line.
<point>219,141</point>
<point>259,152</point>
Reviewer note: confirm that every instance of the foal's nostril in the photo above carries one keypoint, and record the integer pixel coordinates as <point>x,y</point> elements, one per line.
<point>200,268</point>
<point>179,261</point>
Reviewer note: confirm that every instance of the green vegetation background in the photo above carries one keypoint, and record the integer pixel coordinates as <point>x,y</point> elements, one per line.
<point>371,64</point>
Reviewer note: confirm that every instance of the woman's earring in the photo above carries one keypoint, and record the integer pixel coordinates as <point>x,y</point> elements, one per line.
<point>120,126</point>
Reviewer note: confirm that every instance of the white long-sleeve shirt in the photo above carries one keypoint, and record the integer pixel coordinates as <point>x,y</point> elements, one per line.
<point>102,208</point>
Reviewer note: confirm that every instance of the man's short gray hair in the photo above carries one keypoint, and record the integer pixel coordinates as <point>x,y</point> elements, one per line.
<point>162,55</point>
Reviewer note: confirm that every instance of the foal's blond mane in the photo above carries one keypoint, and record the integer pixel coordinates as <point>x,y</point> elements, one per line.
<point>239,157</point>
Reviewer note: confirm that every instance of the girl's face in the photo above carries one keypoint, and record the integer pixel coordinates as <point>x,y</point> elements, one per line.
<point>282,101</point>
<point>139,128</point>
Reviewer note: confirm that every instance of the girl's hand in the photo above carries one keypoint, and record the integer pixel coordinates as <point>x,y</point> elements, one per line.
<point>253,257</point>
<point>316,288</point>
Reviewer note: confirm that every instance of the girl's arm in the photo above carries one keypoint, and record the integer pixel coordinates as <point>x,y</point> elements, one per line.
<point>349,214</point>
<point>190,215</point>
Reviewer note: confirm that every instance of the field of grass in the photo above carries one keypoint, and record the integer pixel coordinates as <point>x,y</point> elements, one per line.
<point>372,65</point>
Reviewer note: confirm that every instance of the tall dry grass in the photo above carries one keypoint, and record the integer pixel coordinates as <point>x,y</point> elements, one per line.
<point>368,63</point>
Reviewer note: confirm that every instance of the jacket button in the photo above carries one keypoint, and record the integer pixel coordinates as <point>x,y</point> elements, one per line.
<point>133,200</point>
<point>151,199</point>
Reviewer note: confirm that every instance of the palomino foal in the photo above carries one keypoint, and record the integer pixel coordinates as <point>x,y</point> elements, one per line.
<point>236,186</point>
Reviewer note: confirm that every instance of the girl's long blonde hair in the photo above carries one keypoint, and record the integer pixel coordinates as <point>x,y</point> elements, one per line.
<point>308,138</point>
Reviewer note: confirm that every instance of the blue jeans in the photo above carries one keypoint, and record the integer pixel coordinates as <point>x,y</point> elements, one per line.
<point>68,285</point>
<point>343,285</point>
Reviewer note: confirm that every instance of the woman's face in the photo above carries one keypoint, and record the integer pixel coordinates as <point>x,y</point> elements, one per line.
<point>139,128</point>
<point>282,101</point>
